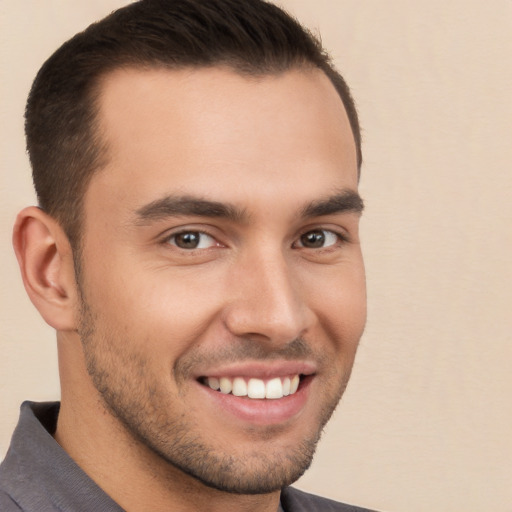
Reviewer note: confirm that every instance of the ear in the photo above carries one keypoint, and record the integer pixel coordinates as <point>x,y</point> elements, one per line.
<point>46,263</point>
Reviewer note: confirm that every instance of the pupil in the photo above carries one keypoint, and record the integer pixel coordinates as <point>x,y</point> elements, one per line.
<point>313,239</point>
<point>187,240</point>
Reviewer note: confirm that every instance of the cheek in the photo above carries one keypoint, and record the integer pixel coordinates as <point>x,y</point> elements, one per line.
<point>352,309</point>
<point>166,308</point>
<point>340,306</point>
<point>353,301</point>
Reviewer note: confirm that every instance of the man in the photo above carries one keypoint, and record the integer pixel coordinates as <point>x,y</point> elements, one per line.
<point>196,250</point>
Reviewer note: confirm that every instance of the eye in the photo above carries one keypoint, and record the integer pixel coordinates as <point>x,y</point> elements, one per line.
<point>318,238</point>
<point>192,240</point>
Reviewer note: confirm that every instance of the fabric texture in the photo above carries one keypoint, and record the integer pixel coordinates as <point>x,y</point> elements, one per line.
<point>293,500</point>
<point>37,475</point>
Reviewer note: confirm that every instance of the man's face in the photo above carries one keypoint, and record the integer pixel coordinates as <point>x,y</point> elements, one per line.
<point>221,249</point>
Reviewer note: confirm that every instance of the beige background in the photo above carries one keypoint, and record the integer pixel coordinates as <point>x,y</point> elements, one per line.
<point>426,422</point>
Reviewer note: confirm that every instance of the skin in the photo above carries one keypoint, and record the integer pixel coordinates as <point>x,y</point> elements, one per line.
<point>147,319</point>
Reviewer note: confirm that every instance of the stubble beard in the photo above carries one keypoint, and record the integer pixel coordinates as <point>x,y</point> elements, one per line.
<point>131,394</point>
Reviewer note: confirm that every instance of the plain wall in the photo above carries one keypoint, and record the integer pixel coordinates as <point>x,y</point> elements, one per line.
<point>426,422</point>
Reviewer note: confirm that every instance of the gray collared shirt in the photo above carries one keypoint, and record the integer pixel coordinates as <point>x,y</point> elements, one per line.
<point>37,475</point>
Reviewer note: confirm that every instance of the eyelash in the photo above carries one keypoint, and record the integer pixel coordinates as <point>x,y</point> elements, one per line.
<point>173,236</point>
<point>341,238</point>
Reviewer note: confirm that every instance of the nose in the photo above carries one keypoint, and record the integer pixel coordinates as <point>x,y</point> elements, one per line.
<point>266,301</point>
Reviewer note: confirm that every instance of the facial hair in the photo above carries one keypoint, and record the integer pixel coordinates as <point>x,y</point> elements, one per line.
<point>147,412</point>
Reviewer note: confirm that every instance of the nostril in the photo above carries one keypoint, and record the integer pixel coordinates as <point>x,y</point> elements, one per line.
<point>269,311</point>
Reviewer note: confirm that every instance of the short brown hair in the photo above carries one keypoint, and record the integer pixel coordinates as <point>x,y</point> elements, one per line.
<point>250,36</point>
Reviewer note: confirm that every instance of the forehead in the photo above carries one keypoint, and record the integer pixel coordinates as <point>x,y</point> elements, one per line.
<point>216,133</point>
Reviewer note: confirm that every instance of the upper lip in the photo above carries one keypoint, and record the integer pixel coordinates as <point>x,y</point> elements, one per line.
<point>259,369</point>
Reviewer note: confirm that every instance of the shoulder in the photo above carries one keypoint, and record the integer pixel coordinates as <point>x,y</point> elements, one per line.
<point>294,500</point>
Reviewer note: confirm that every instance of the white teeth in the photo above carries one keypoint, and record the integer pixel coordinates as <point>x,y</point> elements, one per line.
<point>294,384</point>
<point>274,389</point>
<point>255,388</point>
<point>214,383</point>
<point>225,385</point>
<point>239,387</point>
<point>286,386</point>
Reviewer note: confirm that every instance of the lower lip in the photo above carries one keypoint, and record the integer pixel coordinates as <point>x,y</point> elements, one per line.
<point>261,411</point>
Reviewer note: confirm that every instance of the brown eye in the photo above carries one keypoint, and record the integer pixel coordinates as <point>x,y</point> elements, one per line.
<point>192,240</point>
<point>313,239</point>
<point>318,239</point>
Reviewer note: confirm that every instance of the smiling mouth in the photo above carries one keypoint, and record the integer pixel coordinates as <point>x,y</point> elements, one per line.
<point>254,388</point>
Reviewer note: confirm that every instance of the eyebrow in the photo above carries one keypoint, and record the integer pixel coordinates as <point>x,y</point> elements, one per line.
<point>346,201</point>
<point>178,206</point>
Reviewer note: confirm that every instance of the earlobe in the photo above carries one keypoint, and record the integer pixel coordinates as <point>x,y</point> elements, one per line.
<point>46,263</point>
